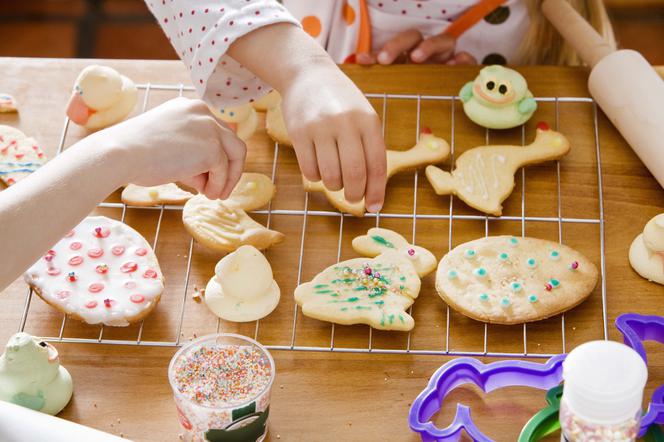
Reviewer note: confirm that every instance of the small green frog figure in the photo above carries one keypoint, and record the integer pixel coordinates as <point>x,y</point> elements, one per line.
<point>498,98</point>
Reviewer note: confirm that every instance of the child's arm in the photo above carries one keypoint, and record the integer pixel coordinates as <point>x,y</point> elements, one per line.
<point>238,50</point>
<point>39,210</point>
<point>335,131</point>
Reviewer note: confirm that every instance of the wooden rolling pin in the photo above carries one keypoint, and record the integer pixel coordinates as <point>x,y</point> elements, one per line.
<point>623,83</point>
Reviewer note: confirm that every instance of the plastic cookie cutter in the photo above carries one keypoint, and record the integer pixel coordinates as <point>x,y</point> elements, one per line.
<point>635,329</point>
<point>488,377</point>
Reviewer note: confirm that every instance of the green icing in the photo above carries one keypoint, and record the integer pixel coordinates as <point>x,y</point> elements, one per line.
<point>324,292</point>
<point>360,288</point>
<point>342,280</point>
<point>362,307</point>
<point>382,241</point>
<point>402,278</point>
<point>391,318</point>
<point>320,286</point>
<point>379,302</point>
<point>29,401</point>
<point>344,309</point>
<point>353,299</point>
<point>401,319</point>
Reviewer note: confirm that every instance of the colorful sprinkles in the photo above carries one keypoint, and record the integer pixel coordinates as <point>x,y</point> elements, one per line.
<point>222,375</point>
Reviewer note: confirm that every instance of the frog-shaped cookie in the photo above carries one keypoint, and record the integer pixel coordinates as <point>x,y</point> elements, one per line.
<point>498,98</point>
<point>31,375</point>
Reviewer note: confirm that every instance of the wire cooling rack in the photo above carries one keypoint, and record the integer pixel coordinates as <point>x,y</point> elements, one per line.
<point>521,348</point>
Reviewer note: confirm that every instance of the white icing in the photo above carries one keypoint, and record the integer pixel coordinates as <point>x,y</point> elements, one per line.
<point>243,288</point>
<point>646,254</point>
<point>86,296</point>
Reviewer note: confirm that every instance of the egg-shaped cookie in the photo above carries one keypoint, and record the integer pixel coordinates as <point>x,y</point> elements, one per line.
<point>512,280</point>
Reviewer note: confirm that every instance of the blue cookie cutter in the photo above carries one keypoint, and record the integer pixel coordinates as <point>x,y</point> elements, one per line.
<point>488,377</point>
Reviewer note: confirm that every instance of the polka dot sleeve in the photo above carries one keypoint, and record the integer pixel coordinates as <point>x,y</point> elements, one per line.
<point>202,31</point>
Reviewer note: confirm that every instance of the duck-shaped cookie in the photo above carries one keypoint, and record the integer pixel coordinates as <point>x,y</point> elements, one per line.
<point>483,177</point>
<point>101,97</point>
<point>374,291</point>
<point>646,255</point>
<point>428,150</point>
<point>243,288</point>
<point>242,119</point>
<point>498,98</point>
<point>31,375</point>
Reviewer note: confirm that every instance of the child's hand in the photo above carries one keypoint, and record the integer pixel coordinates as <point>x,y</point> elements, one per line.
<point>179,140</point>
<point>336,134</point>
<point>412,46</point>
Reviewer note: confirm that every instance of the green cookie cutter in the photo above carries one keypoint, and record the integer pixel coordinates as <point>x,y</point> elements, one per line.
<point>545,421</point>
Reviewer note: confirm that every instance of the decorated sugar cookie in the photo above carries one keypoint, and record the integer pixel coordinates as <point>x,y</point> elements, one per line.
<point>428,150</point>
<point>102,272</point>
<point>243,288</point>
<point>31,375</point>
<point>170,193</point>
<point>483,177</point>
<point>275,126</point>
<point>242,119</point>
<point>498,98</point>
<point>512,280</point>
<point>19,155</point>
<point>646,255</point>
<point>7,104</point>
<point>269,101</point>
<point>224,225</point>
<point>101,97</point>
<point>375,291</point>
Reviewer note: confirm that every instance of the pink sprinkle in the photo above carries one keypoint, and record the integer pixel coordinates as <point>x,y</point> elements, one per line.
<point>548,287</point>
<point>367,270</point>
<point>411,252</point>
<point>53,271</point>
<point>63,294</point>
<point>130,285</point>
<point>91,304</point>
<point>117,250</point>
<point>95,287</point>
<point>575,265</point>
<point>150,273</point>
<point>108,303</point>
<point>137,299</point>
<point>101,268</point>
<point>70,234</point>
<point>48,258</point>
<point>129,267</point>
<point>141,251</point>
<point>76,260</point>
<point>75,245</point>
<point>51,252</point>
<point>95,253</point>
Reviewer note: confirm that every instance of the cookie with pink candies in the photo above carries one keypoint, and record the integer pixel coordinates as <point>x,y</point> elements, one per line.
<point>19,155</point>
<point>102,272</point>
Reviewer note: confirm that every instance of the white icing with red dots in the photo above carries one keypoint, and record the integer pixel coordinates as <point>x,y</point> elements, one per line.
<point>116,276</point>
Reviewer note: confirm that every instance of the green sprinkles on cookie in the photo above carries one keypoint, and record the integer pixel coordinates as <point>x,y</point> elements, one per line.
<point>452,274</point>
<point>382,241</point>
<point>532,298</point>
<point>470,254</point>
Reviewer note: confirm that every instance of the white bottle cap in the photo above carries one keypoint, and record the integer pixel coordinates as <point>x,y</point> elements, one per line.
<point>604,382</point>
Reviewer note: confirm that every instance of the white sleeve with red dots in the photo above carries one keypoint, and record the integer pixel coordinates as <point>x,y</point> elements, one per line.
<point>202,31</point>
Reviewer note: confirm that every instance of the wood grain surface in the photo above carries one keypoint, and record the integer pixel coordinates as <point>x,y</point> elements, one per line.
<point>320,396</point>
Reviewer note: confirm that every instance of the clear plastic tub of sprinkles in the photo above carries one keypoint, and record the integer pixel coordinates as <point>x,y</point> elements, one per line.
<point>222,384</point>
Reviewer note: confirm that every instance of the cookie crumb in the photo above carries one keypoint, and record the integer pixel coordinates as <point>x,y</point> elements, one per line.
<point>94,404</point>
<point>281,386</point>
<point>118,420</point>
<point>198,294</point>
<point>278,436</point>
<point>573,328</point>
<point>122,435</point>
<point>411,372</point>
<point>180,436</point>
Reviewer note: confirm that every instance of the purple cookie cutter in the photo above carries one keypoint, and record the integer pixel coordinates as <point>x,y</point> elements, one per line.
<point>635,329</point>
<point>488,377</point>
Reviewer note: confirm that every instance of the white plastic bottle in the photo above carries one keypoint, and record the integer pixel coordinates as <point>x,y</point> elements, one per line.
<point>604,382</point>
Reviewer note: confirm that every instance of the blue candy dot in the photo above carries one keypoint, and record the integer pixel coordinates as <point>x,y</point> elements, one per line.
<point>505,302</point>
<point>516,286</point>
<point>532,298</point>
<point>503,256</point>
<point>484,297</point>
<point>452,274</point>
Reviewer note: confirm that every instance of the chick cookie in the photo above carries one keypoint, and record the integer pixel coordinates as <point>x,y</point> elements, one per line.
<point>31,375</point>
<point>101,97</point>
<point>498,98</point>
<point>102,272</point>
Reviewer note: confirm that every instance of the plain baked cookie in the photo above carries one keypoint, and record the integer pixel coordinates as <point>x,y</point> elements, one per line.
<point>243,288</point>
<point>102,272</point>
<point>428,150</point>
<point>483,177</point>
<point>224,225</point>
<point>19,155</point>
<point>646,254</point>
<point>512,280</point>
<point>375,291</point>
<point>134,195</point>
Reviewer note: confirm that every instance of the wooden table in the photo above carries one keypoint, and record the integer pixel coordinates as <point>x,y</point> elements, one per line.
<point>123,389</point>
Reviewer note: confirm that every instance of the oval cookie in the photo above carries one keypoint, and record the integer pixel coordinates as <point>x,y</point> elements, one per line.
<point>512,280</point>
<point>102,272</point>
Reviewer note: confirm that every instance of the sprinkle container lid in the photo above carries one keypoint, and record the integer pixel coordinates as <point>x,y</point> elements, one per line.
<point>604,382</point>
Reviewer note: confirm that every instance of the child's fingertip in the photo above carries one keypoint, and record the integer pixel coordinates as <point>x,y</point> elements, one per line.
<point>383,58</point>
<point>375,207</point>
<point>417,55</point>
